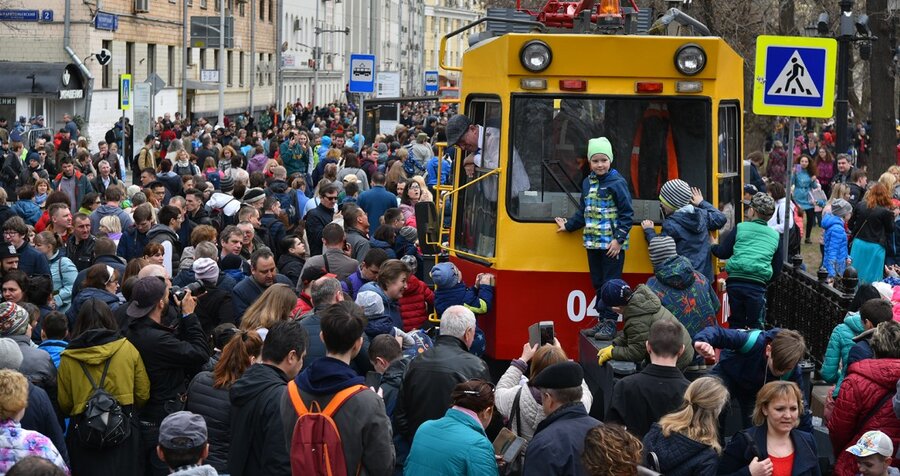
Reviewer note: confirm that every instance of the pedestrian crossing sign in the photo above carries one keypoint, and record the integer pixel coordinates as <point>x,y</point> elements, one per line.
<point>794,76</point>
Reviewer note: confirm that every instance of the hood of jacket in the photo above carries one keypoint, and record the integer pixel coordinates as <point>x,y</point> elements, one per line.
<point>95,293</point>
<point>110,259</point>
<point>855,323</point>
<point>829,220</point>
<point>882,372</point>
<point>257,379</point>
<point>326,376</point>
<point>259,160</point>
<point>676,272</point>
<point>690,218</point>
<point>674,450</point>
<point>108,210</point>
<point>75,175</point>
<point>643,301</point>
<point>95,346</point>
<point>160,229</point>
<point>278,186</point>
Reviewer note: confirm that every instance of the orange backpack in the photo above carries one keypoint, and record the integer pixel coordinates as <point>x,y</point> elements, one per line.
<point>316,448</point>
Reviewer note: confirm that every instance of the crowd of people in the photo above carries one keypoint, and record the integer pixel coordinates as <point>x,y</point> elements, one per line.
<point>252,300</point>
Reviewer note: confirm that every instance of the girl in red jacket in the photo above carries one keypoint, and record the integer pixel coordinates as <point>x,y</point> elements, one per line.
<point>417,300</point>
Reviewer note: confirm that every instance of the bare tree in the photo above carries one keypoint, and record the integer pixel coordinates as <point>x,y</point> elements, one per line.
<point>881,84</point>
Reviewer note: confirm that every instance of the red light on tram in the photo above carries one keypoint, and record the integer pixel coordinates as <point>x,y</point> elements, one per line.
<point>573,85</point>
<point>648,87</point>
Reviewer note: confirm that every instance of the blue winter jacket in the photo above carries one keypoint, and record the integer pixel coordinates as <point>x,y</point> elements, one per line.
<point>32,262</point>
<point>351,284</point>
<point>690,227</point>
<point>751,443</point>
<point>132,243</point>
<point>835,238</point>
<point>28,210</point>
<point>455,445</point>
<point>834,366</point>
<point>685,293</point>
<point>743,365</point>
<point>375,243</point>
<point>613,215</point>
<point>55,348</point>
<point>479,298</point>
<point>109,298</point>
<point>679,455</point>
<point>558,443</point>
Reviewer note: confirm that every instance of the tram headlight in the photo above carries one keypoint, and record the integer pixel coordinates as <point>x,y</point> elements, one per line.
<point>690,59</point>
<point>535,56</point>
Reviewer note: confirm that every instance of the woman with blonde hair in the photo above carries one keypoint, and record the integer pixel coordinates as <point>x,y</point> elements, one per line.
<point>517,400</point>
<point>112,227</point>
<point>889,181</point>
<point>686,442</point>
<point>426,194</point>
<point>774,445</point>
<point>275,304</point>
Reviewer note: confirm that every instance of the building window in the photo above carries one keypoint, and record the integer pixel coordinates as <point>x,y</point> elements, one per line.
<point>106,75</point>
<point>229,68</point>
<point>271,9</point>
<point>259,69</point>
<point>129,58</point>
<point>241,70</point>
<point>241,9</point>
<point>202,59</point>
<point>171,62</point>
<point>262,9</point>
<point>271,67</point>
<point>218,66</point>
<point>151,59</point>
<point>218,4</point>
<point>190,56</point>
<point>203,4</point>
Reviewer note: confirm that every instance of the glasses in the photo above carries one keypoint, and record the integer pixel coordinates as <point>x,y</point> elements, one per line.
<point>10,233</point>
<point>330,197</point>
<point>413,186</point>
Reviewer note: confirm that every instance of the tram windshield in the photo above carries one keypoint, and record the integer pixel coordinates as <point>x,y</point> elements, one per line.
<point>653,139</point>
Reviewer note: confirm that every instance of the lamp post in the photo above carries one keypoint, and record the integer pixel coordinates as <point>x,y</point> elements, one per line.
<point>317,51</point>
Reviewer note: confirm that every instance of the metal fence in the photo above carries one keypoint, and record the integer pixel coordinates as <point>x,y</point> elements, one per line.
<point>803,302</point>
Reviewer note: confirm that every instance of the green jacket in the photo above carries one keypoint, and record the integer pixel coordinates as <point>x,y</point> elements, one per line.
<point>754,246</point>
<point>126,379</point>
<point>642,311</point>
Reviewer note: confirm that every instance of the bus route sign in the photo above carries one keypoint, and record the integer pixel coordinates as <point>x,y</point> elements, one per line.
<point>794,76</point>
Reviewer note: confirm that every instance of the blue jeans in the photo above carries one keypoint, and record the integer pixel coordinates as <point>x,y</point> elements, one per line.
<point>748,304</point>
<point>603,268</point>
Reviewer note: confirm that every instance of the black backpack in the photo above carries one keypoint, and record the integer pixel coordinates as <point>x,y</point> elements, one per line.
<point>103,424</point>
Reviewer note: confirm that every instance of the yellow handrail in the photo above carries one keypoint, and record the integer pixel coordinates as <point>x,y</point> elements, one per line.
<point>443,202</point>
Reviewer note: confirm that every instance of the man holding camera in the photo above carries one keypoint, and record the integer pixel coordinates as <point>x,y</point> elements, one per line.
<point>170,354</point>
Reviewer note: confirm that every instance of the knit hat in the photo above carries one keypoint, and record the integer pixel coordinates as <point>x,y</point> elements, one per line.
<point>600,145</point>
<point>206,269</point>
<point>231,262</point>
<point>254,195</point>
<point>763,204</point>
<point>410,262</point>
<point>382,148</point>
<point>566,374</point>
<point>10,354</point>
<point>885,291</point>
<point>371,303</point>
<point>661,248</point>
<point>871,443</point>
<point>841,207</point>
<point>409,233</point>
<point>226,184</point>
<point>615,292</point>
<point>13,319</point>
<point>445,275</point>
<point>675,194</point>
<point>131,190</point>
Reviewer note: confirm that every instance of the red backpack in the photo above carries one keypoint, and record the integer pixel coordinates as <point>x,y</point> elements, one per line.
<point>316,448</point>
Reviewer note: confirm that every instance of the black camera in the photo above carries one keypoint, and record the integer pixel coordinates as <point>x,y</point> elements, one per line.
<point>196,288</point>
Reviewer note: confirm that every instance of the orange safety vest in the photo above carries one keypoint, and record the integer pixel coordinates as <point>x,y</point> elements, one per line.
<point>660,111</point>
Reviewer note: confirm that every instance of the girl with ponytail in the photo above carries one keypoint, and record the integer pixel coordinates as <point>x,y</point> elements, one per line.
<point>686,442</point>
<point>208,392</point>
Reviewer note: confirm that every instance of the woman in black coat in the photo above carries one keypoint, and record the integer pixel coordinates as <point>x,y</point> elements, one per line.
<point>208,393</point>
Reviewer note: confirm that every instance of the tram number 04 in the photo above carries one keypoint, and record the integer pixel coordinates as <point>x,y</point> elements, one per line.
<point>577,306</point>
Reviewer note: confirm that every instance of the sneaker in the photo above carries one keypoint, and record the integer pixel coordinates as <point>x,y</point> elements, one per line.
<point>606,330</point>
<point>592,330</point>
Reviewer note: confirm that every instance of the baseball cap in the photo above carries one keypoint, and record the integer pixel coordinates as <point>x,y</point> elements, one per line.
<point>871,443</point>
<point>145,295</point>
<point>7,250</point>
<point>182,430</point>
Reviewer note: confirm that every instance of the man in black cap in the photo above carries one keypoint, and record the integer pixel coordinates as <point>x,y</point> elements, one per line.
<point>183,444</point>
<point>169,355</point>
<point>483,144</point>
<point>559,439</point>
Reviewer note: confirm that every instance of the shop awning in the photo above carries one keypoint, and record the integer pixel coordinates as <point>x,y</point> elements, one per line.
<point>42,79</point>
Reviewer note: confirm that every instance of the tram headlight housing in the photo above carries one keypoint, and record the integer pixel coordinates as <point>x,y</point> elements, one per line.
<point>690,59</point>
<point>535,56</point>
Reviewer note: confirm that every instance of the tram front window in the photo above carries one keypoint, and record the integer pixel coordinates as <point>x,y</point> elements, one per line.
<point>653,139</point>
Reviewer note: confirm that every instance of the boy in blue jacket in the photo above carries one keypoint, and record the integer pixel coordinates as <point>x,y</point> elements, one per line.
<point>751,358</point>
<point>54,328</point>
<point>606,214</point>
<point>689,219</point>
<point>834,239</point>
<point>450,290</point>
